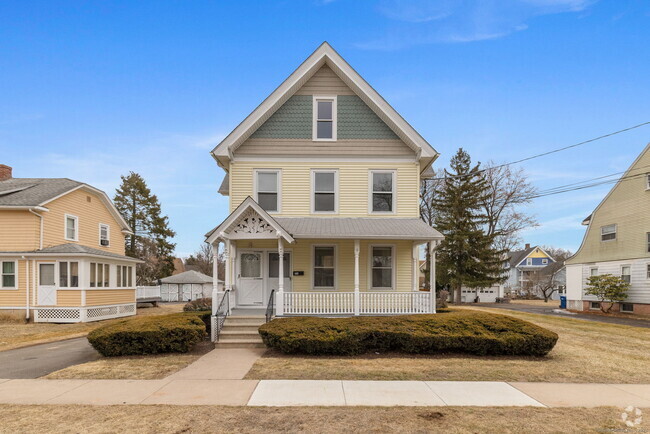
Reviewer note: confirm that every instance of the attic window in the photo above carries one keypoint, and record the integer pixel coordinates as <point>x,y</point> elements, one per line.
<point>324,118</point>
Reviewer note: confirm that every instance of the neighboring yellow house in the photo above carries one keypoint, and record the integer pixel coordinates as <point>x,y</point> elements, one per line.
<point>324,179</point>
<point>62,251</point>
<point>617,242</point>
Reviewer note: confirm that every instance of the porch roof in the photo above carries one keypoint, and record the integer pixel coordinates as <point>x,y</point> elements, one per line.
<point>359,228</point>
<point>71,249</point>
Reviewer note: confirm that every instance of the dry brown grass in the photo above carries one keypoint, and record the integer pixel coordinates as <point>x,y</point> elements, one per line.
<point>181,419</point>
<point>151,367</point>
<point>586,352</point>
<point>20,334</point>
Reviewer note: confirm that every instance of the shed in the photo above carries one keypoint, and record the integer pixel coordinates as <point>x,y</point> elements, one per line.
<point>187,286</point>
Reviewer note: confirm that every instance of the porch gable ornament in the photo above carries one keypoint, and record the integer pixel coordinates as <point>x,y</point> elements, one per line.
<point>252,223</point>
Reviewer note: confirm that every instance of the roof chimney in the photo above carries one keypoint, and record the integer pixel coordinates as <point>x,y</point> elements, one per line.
<point>5,172</point>
<point>527,246</point>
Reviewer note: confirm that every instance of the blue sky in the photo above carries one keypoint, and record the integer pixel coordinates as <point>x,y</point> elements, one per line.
<point>93,89</point>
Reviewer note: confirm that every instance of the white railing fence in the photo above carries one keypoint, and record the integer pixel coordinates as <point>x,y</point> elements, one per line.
<point>343,303</point>
<point>147,292</point>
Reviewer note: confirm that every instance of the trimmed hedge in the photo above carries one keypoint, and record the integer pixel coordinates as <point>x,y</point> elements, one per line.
<point>468,332</point>
<point>173,333</point>
<point>198,305</point>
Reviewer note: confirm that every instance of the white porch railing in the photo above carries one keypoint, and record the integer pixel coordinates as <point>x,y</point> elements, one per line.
<point>147,292</point>
<point>343,303</point>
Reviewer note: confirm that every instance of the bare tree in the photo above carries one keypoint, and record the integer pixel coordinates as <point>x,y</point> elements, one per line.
<point>546,281</point>
<point>558,253</point>
<point>510,190</point>
<point>202,261</point>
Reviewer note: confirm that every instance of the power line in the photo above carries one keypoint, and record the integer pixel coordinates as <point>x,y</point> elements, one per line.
<point>543,154</point>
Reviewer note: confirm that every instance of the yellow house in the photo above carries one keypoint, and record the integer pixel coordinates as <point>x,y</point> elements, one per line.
<point>323,179</point>
<point>62,251</point>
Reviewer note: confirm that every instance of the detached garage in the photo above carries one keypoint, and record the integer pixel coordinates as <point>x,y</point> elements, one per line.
<point>187,286</point>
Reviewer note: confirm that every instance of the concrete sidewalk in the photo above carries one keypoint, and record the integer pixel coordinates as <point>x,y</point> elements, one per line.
<point>321,393</point>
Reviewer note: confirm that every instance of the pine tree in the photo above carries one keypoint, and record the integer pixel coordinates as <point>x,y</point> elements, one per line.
<point>151,236</point>
<point>467,256</point>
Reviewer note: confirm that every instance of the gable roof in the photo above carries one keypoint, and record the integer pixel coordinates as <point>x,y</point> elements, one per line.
<point>517,256</point>
<point>190,276</point>
<point>325,54</point>
<point>36,193</point>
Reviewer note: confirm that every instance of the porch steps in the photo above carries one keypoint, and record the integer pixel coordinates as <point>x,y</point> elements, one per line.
<point>241,332</point>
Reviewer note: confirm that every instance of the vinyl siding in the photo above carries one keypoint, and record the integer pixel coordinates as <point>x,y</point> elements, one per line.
<point>639,283</point>
<point>627,206</point>
<point>325,82</point>
<point>302,259</point>
<point>19,231</point>
<point>100,297</point>
<point>339,148</point>
<point>16,297</point>
<point>68,298</point>
<point>90,215</point>
<point>353,186</point>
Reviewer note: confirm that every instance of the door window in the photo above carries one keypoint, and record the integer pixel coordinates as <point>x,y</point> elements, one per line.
<point>274,265</point>
<point>251,265</point>
<point>46,275</point>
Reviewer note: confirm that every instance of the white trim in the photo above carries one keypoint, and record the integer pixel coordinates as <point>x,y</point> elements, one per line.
<point>278,183</point>
<point>315,119</point>
<point>647,181</point>
<point>325,158</point>
<point>629,267</point>
<point>313,267</point>
<point>393,192</point>
<point>15,274</point>
<point>393,276</point>
<point>324,54</point>
<point>312,194</point>
<point>108,234</point>
<point>76,227</point>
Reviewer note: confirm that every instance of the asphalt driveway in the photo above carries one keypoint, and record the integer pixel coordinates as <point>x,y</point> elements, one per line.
<point>549,310</point>
<point>39,360</point>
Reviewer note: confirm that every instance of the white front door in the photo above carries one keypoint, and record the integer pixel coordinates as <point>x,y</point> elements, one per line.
<point>250,289</point>
<point>46,284</point>
<point>274,270</point>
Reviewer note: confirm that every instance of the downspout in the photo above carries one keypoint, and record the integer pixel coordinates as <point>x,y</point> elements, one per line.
<point>26,287</point>
<point>40,239</point>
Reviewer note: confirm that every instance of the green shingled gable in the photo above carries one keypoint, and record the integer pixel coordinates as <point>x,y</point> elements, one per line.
<point>294,120</point>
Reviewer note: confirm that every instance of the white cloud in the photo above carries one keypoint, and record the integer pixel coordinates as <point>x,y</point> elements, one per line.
<point>418,22</point>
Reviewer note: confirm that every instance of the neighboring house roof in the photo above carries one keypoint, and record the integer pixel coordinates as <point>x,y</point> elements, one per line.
<point>36,193</point>
<point>179,266</point>
<point>224,188</point>
<point>325,54</point>
<point>71,249</point>
<point>358,228</point>
<point>516,256</point>
<point>190,276</point>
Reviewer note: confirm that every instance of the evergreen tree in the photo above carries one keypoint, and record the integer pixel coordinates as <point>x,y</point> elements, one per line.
<point>151,236</point>
<point>467,256</point>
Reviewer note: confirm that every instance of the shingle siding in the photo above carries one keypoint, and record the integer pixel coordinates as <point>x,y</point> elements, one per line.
<point>291,121</point>
<point>357,121</point>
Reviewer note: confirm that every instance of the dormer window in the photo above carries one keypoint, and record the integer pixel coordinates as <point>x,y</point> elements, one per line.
<point>324,118</point>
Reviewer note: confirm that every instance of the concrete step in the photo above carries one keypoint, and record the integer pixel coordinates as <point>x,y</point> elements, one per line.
<point>234,321</point>
<point>227,334</point>
<point>240,343</point>
<point>242,328</point>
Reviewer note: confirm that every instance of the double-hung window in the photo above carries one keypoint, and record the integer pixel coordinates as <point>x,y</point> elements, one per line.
<point>647,181</point>
<point>647,236</point>
<point>267,189</point>
<point>626,274</point>
<point>104,235</point>
<point>608,233</point>
<point>382,267</point>
<point>382,191</point>
<point>68,274</point>
<point>324,267</point>
<point>529,261</point>
<point>71,228</point>
<point>324,118</point>
<point>324,191</point>
<point>8,271</point>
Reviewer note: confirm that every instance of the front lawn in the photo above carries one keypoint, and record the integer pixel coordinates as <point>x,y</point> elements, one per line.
<point>16,334</point>
<point>585,352</point>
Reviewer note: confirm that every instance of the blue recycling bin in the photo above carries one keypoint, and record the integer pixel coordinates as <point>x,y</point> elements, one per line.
<point>563,302</point>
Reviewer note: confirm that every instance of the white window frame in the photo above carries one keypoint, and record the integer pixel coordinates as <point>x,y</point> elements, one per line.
<point>313,190</point>
<point>529,261</point>
<point>315,119</point>
<point>313,268</point>
<point>68,268</point>
<point>647,181</point>
<point>76,227</point>
<point>615,233</point>
<point>278,181</point>
<point>15,274</point>
<point>371,173</point>
<point>108,234</point>
<point>544,261</point>
<point>629,267</point>
<point>591,271</point>
<point>393,276</point>
<point>105,274</point>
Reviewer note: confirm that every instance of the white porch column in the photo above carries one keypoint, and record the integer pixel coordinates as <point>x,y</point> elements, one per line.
<point>279,298</point>
<point>432,273</point>
<point>357,296</point>
<point>416,267</point>
<point>215,266</point>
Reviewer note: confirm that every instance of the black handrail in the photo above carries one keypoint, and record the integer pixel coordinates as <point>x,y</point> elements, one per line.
<point>270,308</point>
<point>221,314</point>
